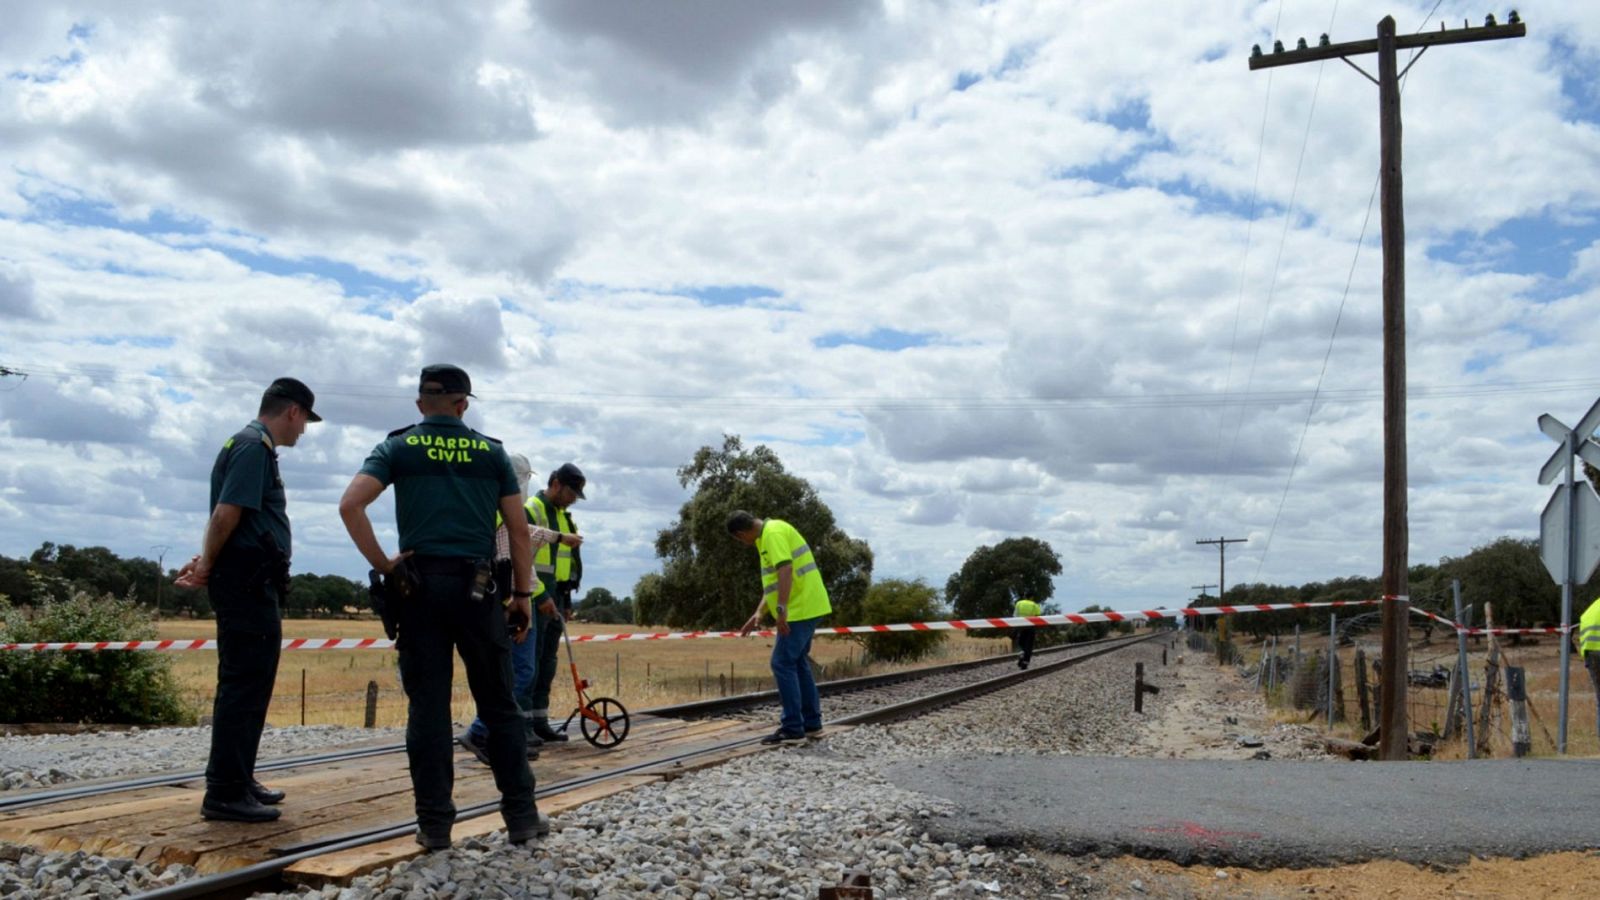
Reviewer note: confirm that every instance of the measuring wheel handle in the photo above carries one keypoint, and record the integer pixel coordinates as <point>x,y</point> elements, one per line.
<point>604,722</point>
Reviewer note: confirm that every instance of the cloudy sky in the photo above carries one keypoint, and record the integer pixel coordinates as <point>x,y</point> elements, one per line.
<point>974,270</point>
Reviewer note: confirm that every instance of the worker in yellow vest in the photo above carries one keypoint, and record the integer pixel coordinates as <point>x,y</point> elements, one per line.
<point>1588,638</point>
<point>1025,635</point>
<point>793,592</point>
<point>559,567</point>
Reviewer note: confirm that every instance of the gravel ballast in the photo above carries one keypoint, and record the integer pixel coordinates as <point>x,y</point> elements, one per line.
<point>777,824</point>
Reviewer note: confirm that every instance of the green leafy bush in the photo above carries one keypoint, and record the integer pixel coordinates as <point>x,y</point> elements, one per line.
<point>894,600</point>
<point>111,687</point>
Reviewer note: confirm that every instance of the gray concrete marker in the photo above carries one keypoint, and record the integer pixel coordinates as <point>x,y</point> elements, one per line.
<point>1264,814</point>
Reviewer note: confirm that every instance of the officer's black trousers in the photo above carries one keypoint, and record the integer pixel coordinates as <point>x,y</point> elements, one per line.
<point>443,620</point>
<point>1025,639</point>
<point>248,636</point>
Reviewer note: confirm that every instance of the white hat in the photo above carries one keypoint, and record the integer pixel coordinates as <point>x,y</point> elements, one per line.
<point>524,470</point>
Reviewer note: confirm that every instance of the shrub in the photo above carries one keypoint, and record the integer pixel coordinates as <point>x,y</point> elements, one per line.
<point>112,687</point>
<point>892,601</point>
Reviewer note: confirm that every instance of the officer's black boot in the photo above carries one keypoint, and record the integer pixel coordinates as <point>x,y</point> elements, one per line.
<point>541,727</point>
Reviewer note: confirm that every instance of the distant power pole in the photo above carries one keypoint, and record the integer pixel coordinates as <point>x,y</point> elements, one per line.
<point>1201,588</point>
<point>1222,562</point>
<point>1391,691</point>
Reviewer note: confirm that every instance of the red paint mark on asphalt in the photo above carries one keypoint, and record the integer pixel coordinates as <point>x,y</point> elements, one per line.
<point>1200,834</point>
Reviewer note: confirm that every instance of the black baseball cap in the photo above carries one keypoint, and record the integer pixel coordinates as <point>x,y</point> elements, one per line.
<point>296,390</point>
<point>450,380</point>
<point>571,476</point>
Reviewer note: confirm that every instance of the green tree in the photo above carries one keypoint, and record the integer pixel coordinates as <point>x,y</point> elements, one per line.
<point>896,600</point>
<point>993,579</point>
<point>1509,574</point>
<point>601,606</point>
<point>708,580</point>
<point>122,687</point>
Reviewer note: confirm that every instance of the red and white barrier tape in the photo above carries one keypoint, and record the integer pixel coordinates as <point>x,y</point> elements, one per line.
<point>1083,618</point>
<point>1462,629</point>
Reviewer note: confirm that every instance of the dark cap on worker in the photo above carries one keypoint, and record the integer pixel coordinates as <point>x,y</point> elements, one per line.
<point>443,378</point>
<point>296,390</point>
<point>571,476</point>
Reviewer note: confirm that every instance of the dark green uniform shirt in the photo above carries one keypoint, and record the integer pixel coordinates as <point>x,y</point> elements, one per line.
<point>448,481</point>
<point>246,475</point>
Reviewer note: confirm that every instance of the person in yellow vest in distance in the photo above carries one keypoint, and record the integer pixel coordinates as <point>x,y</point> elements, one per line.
<point>1588,639</point>
<point>793,592</point>
<point>1027,634</point>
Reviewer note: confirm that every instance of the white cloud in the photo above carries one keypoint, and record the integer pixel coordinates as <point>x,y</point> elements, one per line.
<point>1108,353</point>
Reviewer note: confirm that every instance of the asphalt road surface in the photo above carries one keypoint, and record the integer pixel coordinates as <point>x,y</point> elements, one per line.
<point>1264,814</point>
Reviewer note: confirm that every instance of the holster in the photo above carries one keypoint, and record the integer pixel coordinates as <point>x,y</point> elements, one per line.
<point>390,592</point>
<point>378,596</point>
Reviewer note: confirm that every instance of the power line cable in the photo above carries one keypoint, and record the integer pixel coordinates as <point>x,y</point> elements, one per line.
<point>1311,408</point>
<point>1249,230</point>
<point>1283,239</point>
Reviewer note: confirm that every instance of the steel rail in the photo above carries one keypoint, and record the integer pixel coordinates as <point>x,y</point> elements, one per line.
<point>162,779</point>
<point>717,705</point>
<point>270,871</point>
<point>965,692</point>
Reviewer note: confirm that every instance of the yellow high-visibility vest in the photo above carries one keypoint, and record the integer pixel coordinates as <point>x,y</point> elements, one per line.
<point>808,596</point>
<point>1027,608</point>
<point>547,515</point>
<point>1589,628</point>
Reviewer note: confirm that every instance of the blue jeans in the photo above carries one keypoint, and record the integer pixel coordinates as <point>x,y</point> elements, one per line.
<point>524,668</point>
<point>797,691</point>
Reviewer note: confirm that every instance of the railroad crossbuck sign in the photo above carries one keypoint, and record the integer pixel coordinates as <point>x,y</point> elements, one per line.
<point>1569,527</point>
<point>1570,522</point>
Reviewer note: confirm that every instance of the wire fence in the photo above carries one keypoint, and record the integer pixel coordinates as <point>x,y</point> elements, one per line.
<point>1504,699</point>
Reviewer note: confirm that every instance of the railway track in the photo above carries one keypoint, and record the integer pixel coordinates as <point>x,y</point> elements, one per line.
<point>689,735</point>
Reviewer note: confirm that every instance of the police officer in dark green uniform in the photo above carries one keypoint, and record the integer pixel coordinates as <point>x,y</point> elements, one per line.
<point>244,566</point>
<point>449,483</point>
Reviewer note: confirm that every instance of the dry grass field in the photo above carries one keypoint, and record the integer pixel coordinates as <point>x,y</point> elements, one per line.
<point>641,674</point>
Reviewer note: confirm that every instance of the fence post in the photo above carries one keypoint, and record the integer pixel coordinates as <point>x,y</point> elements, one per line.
<point>302,696</point>
<point>1491,673</point>
<point>1297,649</point>
<point>372,704</point>
<point>1140,688</point>
<point>1517,693</point>
<point>1466,674</point>
<point>1361,690</point>
<point>1452,706</point>
<point>1333,663</point>
<point>619,674</point>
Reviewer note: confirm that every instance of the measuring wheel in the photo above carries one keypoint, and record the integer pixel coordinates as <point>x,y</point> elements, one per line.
<point>604,722</point>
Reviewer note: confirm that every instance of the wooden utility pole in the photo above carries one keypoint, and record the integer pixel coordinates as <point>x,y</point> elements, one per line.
<point>1222,562</point>
<point>1392,684</point>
